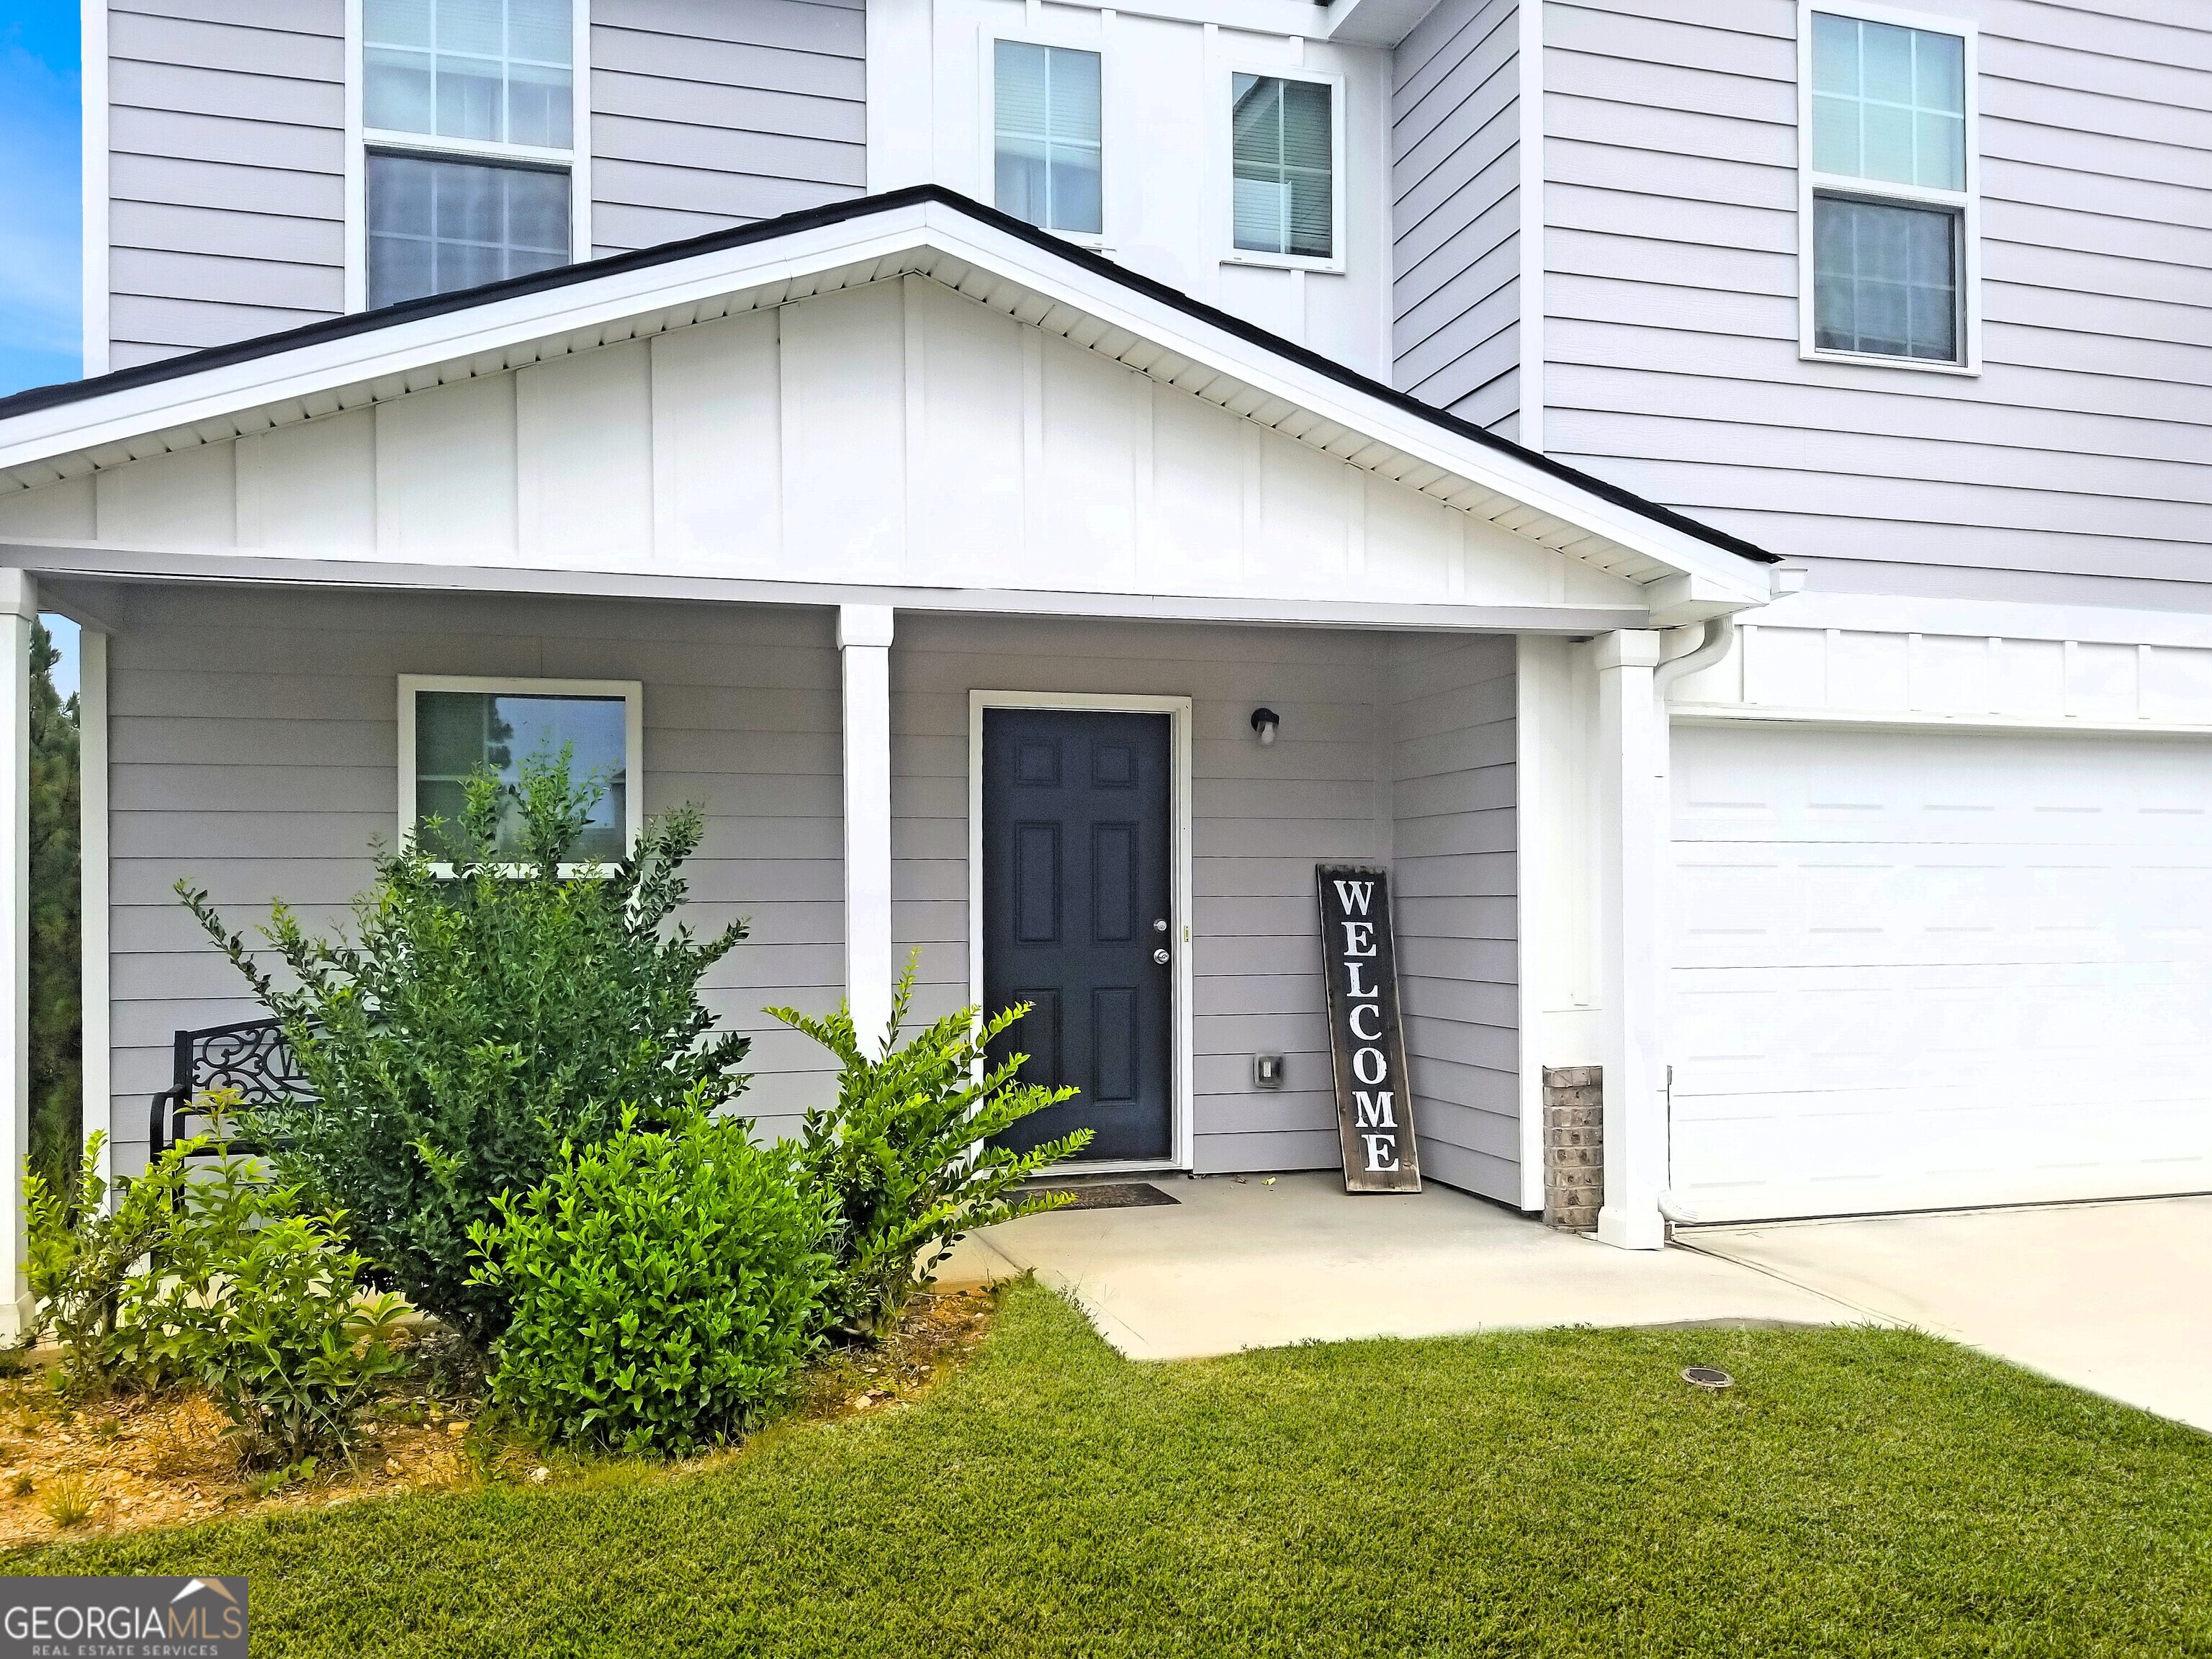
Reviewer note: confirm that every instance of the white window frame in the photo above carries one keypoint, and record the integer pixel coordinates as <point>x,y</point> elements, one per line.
<point>1066,39</point>
<point>361,139</point>
<point>1966,203</point>
<point>1224,126</point>
<point>632,692</point>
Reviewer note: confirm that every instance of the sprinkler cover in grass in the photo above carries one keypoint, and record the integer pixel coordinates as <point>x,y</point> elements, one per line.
<point>1705,1377</point>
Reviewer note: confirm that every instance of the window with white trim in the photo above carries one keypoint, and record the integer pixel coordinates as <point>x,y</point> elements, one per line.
<point>1282,160</point>
<point>1889,171</point>
<point>1048,144</point>
<point>450,727</point>
<point>469,117</point>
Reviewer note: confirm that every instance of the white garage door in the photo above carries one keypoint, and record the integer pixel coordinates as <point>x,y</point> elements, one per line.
<point>1917,970</point>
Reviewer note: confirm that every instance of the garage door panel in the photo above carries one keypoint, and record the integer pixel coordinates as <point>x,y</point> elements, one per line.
<point>1936,969</point>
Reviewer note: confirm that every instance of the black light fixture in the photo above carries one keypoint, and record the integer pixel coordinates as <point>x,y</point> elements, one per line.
<point>1264,722</point>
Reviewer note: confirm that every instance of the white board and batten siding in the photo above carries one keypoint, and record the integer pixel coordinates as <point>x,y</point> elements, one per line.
<point>254,739</point>
<point>1455,165</point>
<point>2073,467</point>
<point>894,433</point>
<point>226,123</point>
<point>1942,916</point>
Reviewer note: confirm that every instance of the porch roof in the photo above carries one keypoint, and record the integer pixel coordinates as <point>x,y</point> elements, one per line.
<point>1688,569</point>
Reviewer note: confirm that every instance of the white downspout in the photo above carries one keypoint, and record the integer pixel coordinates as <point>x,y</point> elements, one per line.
<point>1720,638</point>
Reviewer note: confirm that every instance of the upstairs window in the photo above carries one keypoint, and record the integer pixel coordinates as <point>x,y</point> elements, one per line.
<point>435,225</point>
<point>1888,183</point>
<point>493,70</point>
<point>1045,101</point>
<point>1283,146</point>
<point>469,111</point>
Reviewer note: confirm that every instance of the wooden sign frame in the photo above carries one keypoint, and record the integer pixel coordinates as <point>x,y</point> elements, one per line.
<point>1366,1032</point>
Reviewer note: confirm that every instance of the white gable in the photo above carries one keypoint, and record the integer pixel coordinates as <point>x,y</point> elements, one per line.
<point>878,423</point>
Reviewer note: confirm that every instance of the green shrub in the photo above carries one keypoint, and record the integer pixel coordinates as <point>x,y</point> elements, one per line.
<point>906,1150</point>
<point>260,1304</point>
<point>477,1021</point>
<point>81,1260</point>
<point>664,1286</point>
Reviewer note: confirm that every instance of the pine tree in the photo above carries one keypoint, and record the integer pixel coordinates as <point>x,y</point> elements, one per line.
<point>57,925</point>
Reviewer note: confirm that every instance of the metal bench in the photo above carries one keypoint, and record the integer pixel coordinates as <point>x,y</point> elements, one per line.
<point>251,1058</point>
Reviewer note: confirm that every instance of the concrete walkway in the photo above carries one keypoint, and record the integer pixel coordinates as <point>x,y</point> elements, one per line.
<point>2112,1297</point>
<point>1256,1264</point>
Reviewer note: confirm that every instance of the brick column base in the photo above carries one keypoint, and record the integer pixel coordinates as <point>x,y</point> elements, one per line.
<point>1574,1147</point>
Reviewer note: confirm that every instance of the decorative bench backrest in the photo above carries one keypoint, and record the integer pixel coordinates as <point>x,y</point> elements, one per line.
<point>250,1057</point>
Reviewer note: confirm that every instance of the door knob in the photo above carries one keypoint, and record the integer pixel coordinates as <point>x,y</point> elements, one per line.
<point>1159,924</point>
<point>1160,956</point>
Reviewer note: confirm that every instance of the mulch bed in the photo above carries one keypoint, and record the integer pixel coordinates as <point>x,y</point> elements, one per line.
<point>133,1461</point>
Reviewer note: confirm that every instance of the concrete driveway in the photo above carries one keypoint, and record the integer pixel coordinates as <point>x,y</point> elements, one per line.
<point>2112,1297</point>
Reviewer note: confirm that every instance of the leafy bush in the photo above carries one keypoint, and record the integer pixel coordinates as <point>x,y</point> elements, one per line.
<point>664,1286</point>
<point>81,1260</point>
<point>480,1021</point>
<point>907,1153</point>
<point>260,1305</point>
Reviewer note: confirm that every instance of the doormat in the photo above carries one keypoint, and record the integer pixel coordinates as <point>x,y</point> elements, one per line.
<point>1112,1195</point>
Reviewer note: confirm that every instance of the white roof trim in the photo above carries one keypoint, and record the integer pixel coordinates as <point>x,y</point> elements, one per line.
<point>931,237</point>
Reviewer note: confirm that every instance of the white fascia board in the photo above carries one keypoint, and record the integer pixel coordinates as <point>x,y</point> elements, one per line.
<point>475,330</point>
<point>104,564</point>
<point>1373,22</point>
<point>489,330</point>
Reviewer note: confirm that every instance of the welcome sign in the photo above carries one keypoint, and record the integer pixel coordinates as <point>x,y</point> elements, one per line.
<point>1374,1104</point>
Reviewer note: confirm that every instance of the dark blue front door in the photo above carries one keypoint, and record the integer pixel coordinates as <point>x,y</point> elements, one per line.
<point>1076,917</point>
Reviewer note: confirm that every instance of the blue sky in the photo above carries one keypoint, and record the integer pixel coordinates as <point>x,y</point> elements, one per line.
<point>40,297</point>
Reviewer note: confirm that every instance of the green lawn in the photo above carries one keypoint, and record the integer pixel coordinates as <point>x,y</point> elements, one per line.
<point>1559,1492</point>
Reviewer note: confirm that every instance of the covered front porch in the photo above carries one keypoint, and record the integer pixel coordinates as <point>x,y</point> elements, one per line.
<point>809,501</point>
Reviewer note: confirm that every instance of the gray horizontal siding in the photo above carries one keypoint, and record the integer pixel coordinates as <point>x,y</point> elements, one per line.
<point>706,114</point>
<point>253,749</point>
<point>2074,466</point>
<point>1260,819</point>
<point>1455,161</point>
<point>225,132</point>
<point>1452,816</point>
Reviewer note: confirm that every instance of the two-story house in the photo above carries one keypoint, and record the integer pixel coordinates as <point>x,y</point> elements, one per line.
<point>1709,494</point>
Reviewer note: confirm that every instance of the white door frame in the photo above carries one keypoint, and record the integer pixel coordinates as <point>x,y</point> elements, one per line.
<point>1177,709</point>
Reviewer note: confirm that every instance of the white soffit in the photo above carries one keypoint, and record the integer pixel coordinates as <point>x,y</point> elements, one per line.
<point>933,238</point>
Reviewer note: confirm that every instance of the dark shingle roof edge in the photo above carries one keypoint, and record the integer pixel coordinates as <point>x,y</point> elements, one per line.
<point>766,230</point>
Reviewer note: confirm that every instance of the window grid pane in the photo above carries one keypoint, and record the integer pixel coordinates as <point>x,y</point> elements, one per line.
<point>1046,104</point>
<point>1885,279</point>
<point>497,70</point>
<point>435,225</point>
<point>1283,145</point>
<point>456,731</point>
<point>1889,103</point>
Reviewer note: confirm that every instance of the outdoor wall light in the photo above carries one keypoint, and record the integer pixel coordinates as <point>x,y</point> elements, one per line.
<point>1264,721</point>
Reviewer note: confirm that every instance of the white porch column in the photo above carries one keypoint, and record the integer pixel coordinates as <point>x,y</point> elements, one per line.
<point>863,640</point>
<point>19,609</point>
<point>1631,842</point>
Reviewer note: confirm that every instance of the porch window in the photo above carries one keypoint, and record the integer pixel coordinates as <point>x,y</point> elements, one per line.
<point>1888,190</point>
<point>450,726</point>
<point>1046,104</point>
<point>1284,146</point>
